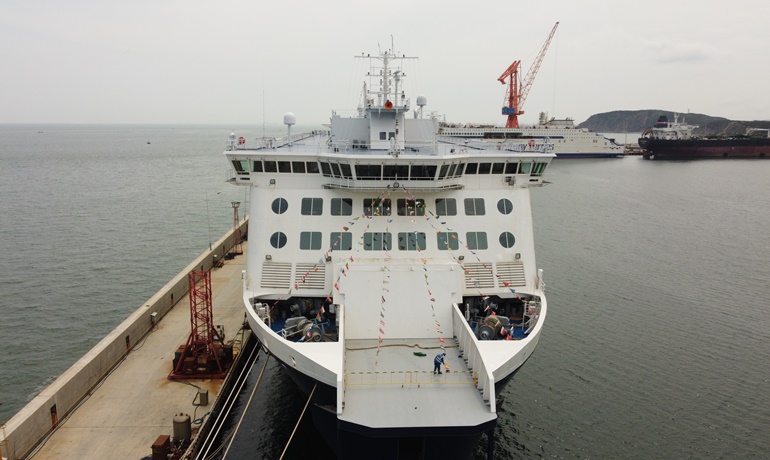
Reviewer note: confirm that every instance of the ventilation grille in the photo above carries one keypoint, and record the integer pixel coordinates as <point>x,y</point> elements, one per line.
<point>310,276</point>
<point>512,273</point>
<point>479,275</point>
<point>276,275</point>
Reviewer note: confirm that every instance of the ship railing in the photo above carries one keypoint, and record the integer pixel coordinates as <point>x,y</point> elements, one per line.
<point>468,344</point>
<point>409,378</point>
<point>395,185</point>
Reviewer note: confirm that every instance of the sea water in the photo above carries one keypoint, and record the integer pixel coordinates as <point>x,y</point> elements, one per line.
<point>656,344</point>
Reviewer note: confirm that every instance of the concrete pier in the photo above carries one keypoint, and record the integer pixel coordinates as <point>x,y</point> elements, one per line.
<point>117,400</point>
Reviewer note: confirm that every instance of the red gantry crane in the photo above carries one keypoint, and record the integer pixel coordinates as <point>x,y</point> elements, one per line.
<point>517,90</point>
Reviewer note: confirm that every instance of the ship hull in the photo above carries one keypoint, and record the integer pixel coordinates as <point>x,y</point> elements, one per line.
<point>350,441</point>
<point>663,149</point>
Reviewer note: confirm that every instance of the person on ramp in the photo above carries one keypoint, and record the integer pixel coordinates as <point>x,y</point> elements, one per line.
<point>437,362</point>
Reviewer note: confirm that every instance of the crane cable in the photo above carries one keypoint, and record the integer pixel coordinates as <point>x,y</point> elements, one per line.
<point>300,419</point>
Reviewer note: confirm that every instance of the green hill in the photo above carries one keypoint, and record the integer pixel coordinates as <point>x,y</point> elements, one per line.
<point>635,121</point>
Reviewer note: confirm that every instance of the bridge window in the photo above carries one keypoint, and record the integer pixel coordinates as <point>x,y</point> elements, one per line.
<point>422,172</point>
<point>298,166</point>
<point>539,169</point>
<point>312,167</point>
<point>257,165</point>
<point>284,166</point>
<point>368,172</point>
<point>270,167</point>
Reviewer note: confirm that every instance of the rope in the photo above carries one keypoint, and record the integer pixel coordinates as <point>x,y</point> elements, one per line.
<point>300,419</point>
<point>246,409</point>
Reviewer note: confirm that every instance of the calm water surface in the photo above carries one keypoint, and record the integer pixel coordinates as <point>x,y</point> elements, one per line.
<point>657,342</point>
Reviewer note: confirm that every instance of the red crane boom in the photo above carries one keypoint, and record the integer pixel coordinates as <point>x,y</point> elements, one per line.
<point>517,91</point>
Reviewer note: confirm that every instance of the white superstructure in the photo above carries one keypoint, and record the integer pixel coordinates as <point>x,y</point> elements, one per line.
<point>376,245</point>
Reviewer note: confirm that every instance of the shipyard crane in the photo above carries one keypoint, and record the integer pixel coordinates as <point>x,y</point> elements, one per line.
<point>517,90</point>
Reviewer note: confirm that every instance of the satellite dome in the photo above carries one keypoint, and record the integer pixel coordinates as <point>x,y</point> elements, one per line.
<point>422,101</point>
<point>289,119</point>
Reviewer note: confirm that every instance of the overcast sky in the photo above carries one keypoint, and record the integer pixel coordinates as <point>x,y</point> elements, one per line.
<point>230,62</point>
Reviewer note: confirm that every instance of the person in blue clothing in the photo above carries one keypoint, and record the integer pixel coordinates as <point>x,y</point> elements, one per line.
<point>437,362</point>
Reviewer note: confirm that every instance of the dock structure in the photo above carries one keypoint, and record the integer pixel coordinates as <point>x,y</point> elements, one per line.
<point>125,407</point>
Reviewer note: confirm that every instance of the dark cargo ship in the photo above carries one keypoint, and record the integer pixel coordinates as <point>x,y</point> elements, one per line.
<point>674,141</point>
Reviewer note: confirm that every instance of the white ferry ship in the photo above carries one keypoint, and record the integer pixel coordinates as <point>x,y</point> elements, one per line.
<point>376,247</point>
<point>549,135</point>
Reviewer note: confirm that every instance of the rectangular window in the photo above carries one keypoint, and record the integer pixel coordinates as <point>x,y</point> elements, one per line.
<point>368,172</point>
<point>341,241</point>
<point>342,206</point>
<point>382,135</point>
<point>474,207</point>
<point>525,167</point>
<point>411,241</point>
<point>484,168</point>
<point>377,206</point>
<point>511,168</point>
<point>446,207</point>
<point>423,172</point>
<point>393,172</point>
<point>447,240</point>
<point>411,207</point>
<point>325,169</point>
<point>443,172</point>
<point>312,206</point>
<point>270,166</point>
<point>497,168</point>
<point>258,166</point>
<point>476,240</point>
<point>298,166</point>
<point>336,170</point>
<point>346,171</point>
<point>241,166</point>
<point>310,240</point>
<point>471,168</point>
<point>284,166</point>
<point>539,169</point>
<point>377,241</point>
<point>312,167</point>
<point>452,170</point>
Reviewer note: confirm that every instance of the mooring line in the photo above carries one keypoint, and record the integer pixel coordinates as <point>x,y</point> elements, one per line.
<point>300,419</point>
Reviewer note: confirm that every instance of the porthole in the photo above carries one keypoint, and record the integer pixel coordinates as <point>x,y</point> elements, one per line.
<point>280,205</point>
<point>505,206</point>
<point>507,240</point>
<point>278,240</point>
